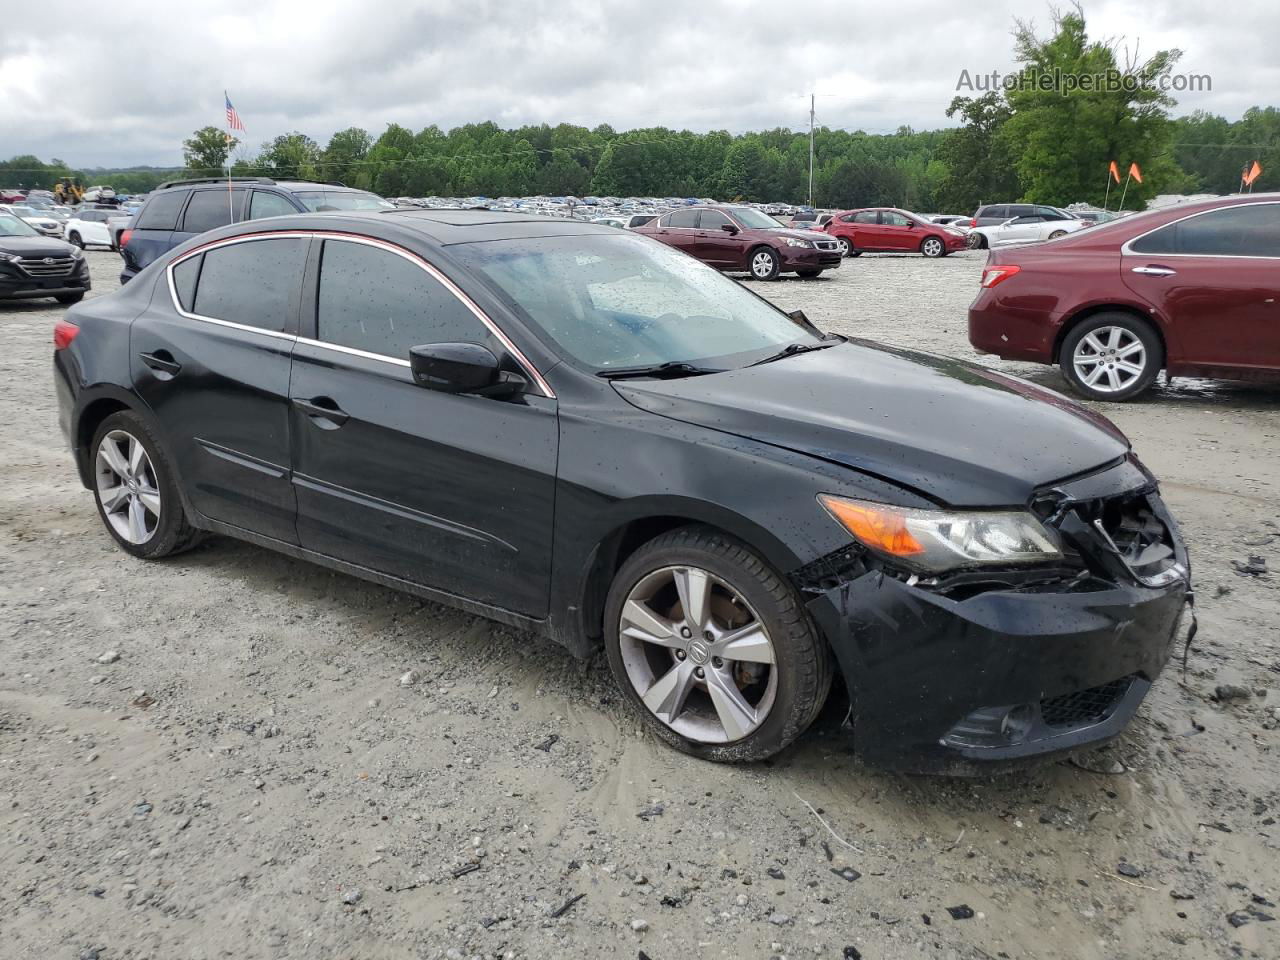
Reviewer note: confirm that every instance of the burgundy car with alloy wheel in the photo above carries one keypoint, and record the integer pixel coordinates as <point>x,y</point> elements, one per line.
<point>744,238</point>
<point>1193,290</point>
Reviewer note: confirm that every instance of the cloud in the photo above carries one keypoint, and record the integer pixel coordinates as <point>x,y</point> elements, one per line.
<point>128,88</point>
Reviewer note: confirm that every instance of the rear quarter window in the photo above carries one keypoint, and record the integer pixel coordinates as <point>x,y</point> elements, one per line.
<point>184,280</point>
<point>161,211</point>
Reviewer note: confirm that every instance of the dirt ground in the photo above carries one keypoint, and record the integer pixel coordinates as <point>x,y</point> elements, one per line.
<point>248,777</point>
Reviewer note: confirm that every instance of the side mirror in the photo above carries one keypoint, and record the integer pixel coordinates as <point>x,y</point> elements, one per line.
<point>729,228</point>
<point>911,224</point>
<point>461,368</point>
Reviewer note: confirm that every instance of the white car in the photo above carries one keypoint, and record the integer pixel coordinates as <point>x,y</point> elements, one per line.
<point>88,227</point>
<point>47,225</point>
<point>1017,231</point>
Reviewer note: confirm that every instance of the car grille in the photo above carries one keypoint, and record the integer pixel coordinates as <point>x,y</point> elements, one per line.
<point>1085,707</point>
<point>1126,535</point>
<point>826,244</point>
<point>47,266</point>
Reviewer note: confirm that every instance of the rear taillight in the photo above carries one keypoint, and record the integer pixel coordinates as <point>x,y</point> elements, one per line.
<point>124,238</point>
<point>994,276</point>
<point>63,333</point>
<point>973,222</point>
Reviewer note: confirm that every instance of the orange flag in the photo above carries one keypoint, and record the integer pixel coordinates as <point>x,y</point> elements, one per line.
<point>1254,173</point>
<point>1135,172</point>
<point>1115,171</point>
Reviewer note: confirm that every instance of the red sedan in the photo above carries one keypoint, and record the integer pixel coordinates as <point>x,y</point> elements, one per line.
<point>1193,290</point>
<point>888,229</point>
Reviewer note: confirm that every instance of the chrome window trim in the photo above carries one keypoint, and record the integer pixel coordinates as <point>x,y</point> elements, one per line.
<point>534,375</point>
<point>1127,251</point>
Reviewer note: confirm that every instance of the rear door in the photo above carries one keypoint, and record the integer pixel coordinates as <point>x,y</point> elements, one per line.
<point>210,357</point>
<point>679,229</point>
<point>1216,278</point>
<point>864,229</point>
<point>449,491</point>
<point>209,207</point>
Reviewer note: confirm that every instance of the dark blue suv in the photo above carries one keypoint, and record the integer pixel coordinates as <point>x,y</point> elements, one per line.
<point>178,210</point>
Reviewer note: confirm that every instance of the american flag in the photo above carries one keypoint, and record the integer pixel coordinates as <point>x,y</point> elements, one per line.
<point>233,118</point>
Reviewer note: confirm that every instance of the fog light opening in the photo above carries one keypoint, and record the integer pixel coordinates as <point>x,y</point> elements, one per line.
<point>1016,724</point>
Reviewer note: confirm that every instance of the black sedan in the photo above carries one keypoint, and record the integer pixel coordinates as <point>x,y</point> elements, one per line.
<point>589,435</point>
<point>33,265</point>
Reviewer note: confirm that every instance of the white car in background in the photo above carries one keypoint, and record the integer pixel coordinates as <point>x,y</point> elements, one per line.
<point>38,219</point>
<point>1033,228</point>
<point>89,228</point>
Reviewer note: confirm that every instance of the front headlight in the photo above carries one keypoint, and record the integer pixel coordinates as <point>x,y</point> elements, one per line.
<point>76,252</point>
<point>796,242</point>
<point>934,541</point>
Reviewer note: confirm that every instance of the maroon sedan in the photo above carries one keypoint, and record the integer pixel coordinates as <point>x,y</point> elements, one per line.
<point>743,238</point>
<point>1193,290</point>
<point>890,230</point>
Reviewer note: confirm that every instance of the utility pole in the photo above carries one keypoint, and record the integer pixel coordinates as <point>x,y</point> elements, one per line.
<point>811,98</point>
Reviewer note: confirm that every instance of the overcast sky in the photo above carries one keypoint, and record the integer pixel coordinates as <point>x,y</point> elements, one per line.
<point>125,84</point>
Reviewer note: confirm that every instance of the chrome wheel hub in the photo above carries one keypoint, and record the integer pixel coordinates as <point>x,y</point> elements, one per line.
<point>697,655</point>
<point>1109,359</point>
<point>125,481</point>
<point>762,264</point>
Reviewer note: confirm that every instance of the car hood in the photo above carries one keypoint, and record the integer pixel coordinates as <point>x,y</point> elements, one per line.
<point>35,246</point>
<point>799,234</point>
<point>958,433</point>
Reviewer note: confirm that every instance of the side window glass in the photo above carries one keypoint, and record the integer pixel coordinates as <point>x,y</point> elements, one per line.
<point>161,211</point>
<point>263,204</point>
<point>377,301</point>
<point>184,280</point>
<point>712,220</point>
<point>212,208</point>
<point>252,282</point>
<point>866,216</point>
<point>683,218</point>
<point>1242,231</point>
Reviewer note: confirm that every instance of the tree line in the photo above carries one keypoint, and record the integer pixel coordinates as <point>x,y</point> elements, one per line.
<point>1023,143</point>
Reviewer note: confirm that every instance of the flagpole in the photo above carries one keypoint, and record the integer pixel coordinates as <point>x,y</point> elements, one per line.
<point>1125,191</point>
<point>1107,200</point>
<point>231,210</point>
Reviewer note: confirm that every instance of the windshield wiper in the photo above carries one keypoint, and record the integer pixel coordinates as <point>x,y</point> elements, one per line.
<point>791,349</point>
<point>672,368</point>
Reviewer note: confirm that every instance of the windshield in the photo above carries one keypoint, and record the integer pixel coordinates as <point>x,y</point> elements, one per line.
<point>320,200</point>
<point>620,301</point>
<point>11,226</point>
<point>755,219</point>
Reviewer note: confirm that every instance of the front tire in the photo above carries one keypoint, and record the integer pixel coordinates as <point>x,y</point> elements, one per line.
<point>932,247</point>
<point>136,491</point>
<point>765,263</point>
<point>808,274</point>
<point>842,245</point>
<point>74,238</point>
<point>713,648</point>
<point>1056,234</point>
<point>69,298</point>
<point>1111,356</point>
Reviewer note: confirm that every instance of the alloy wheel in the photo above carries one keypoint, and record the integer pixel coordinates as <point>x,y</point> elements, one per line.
<point>932,247</point>
<point>127,487</point>
<point>1109,359</point>
<point>843,246</point>
<point>697,655</point>
<point>762,264</point>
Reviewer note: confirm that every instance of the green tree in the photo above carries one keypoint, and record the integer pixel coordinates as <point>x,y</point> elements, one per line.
<point>344,156</point>
<point>975,156</point>
<point>205,152</point>
<point>1063,139</point>
<point>289,155</point>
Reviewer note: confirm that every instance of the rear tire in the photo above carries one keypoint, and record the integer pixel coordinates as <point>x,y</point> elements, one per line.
<point>69,298</point>
<point>787,672</point>
<point>136,491</point>
<point>764,263</point>
<point>1111,356</point>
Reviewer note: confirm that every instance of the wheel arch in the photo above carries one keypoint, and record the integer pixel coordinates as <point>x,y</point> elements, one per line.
<point>584,632</point>
<point>1080,316</point>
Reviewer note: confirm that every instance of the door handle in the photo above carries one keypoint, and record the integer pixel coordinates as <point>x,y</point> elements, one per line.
<point>162,362</point>
<point>323,411</point>
<point>1155,271</point>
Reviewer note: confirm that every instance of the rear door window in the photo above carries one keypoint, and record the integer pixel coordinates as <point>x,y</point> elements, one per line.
<point>254,282</point>
<point>865,216</point>
<point>1251,230</point>
<point>161,211</point>
<point>682,218</point>
<point>713,220</point>
<point>212,208</point>
<point>380,302</point>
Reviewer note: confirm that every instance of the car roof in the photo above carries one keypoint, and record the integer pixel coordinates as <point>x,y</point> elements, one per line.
<point>442,227</point>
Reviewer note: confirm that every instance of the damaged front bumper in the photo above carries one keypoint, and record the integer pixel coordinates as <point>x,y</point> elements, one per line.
<point>952,677</point>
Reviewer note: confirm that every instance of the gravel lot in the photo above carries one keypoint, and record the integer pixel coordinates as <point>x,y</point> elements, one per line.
<point>216,756</point>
